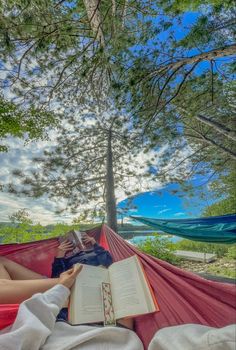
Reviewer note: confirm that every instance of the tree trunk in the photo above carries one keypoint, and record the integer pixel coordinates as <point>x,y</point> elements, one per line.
<point>110,190</point>
<point>95,21</point>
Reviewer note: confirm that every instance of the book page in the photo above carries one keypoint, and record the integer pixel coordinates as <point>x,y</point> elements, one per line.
<point>150,298</point>
<point>129,296</point>
<point>86,305</point>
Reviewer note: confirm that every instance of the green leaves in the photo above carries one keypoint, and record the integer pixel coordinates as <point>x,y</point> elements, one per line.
<point>30,124</point>
<point>224,190</point>
<point>129,56</point>
<point>160,247</point>
<point>167,25</point>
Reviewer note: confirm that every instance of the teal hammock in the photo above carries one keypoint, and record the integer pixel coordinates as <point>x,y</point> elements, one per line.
<point>215,229</point>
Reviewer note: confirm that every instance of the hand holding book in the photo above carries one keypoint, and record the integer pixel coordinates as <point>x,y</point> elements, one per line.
<point>73,242</point>
<point>68,277</point>
<point>131,293</point>
<point>87,241</point>
<point>63,248</point>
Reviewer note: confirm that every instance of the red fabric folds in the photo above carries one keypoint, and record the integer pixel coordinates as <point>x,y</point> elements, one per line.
<point>37,256</point>
<point>183,297</point>
<point>8,314</point>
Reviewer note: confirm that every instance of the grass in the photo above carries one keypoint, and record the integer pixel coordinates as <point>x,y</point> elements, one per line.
<point>226,271</point>
<point>219,249</point>
<point>224,266</point>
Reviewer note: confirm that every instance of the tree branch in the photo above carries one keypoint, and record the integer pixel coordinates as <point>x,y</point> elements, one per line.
<point>228,50</point>
<point>206,139</point>
<point>212,83</point>
<point>171,98</point>
<point>183,160</point>
<point>231,134</point>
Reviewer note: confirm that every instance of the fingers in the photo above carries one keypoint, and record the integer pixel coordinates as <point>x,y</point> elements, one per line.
<point>77,269</point>
<point>74,271</point>
<point>67,245</point>
<point>86,240</point>
<point>63,242</point>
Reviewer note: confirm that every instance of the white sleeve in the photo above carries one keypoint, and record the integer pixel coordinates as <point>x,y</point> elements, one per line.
<point>35,320</point>
<point>194,336</point>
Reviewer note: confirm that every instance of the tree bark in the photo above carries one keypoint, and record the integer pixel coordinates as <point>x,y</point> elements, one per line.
<point>94,16</point>
<point>110,188</point>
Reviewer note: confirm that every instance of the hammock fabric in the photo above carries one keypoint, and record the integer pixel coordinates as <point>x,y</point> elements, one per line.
<point>183,297</point>
<point>215,229</point>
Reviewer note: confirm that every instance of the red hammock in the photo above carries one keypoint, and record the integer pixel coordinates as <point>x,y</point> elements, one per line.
<point>183,297</point>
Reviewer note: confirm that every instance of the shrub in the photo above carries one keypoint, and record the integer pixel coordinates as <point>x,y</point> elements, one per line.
<point>232,252</point>
<point>161,248</point>
<point>219,249</point>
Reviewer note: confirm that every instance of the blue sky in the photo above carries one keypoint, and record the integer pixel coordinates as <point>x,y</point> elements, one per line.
<point>164,204</point>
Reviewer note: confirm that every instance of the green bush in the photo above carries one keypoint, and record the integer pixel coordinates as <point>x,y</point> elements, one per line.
<point>161,248</point>
<point>219,249</point>
<point>232,252</point>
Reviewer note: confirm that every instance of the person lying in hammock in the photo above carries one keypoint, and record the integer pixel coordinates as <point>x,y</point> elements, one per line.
<point>18,283</point>
<point>36,328</point>
<point>92,254</point>
<point>89,253</point>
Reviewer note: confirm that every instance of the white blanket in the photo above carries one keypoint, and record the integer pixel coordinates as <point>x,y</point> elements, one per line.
<point>35,328</point>
<point>194,337</point>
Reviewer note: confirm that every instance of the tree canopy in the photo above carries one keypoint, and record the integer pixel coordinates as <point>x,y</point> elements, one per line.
<point>224,190</point>
<point>29,124</point>
<point>94,160</point>
<point>177,88</point>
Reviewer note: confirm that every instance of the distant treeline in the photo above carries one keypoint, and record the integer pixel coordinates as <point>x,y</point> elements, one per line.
<point>26,232</point>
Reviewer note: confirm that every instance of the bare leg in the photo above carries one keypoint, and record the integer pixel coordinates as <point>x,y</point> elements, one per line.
<point>14,292</point>
<point>3,273</point>
<point>13,271</point>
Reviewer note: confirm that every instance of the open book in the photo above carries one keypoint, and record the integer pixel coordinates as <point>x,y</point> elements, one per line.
<point>76,238</point>
<point>121,290</point>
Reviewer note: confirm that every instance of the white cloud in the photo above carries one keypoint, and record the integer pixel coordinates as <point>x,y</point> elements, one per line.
<point>128,220</point>
<point>164,211</point>
<point>43,209</point>
<point>140,183</point>
<point>20,157</point>
<point>40,210</point>
<point>133,210</point>
<point>179,214</point>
